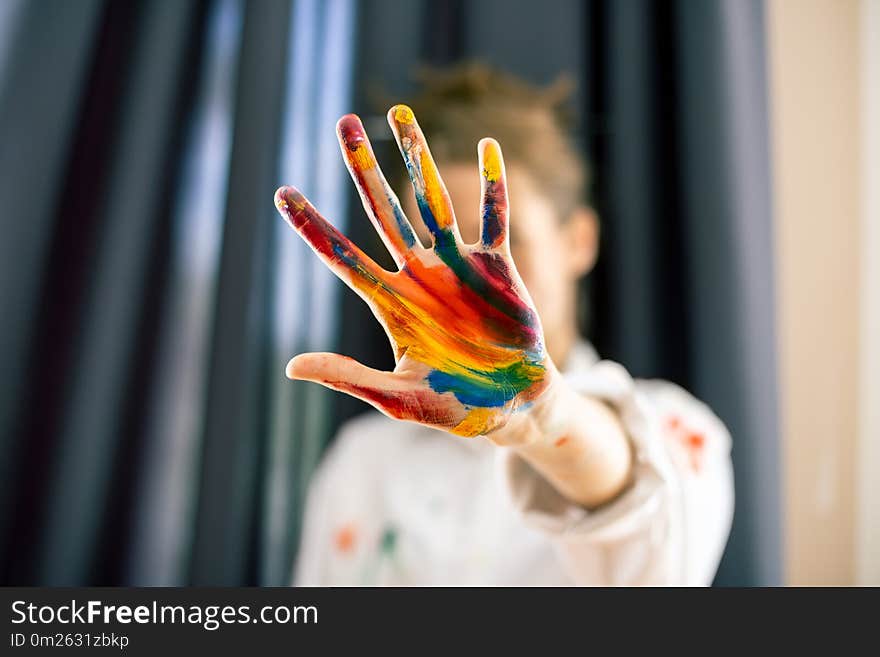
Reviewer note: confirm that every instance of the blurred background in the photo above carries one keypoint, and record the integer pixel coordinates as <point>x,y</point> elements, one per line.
<point>151,295</point>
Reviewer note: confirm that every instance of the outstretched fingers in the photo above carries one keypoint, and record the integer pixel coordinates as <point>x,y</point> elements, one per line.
<point>494,210</point>
<point>339,253</point>
<point>380,202</point>
<point>435,206</point>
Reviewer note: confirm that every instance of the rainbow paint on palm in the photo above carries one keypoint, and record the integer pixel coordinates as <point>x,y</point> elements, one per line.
<point>466,337</point>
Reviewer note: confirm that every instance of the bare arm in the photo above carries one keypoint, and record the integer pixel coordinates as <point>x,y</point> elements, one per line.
<point>575,442</point>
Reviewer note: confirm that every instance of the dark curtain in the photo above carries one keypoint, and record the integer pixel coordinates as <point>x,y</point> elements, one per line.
<point>141,146</point>
<point>673,105</point>
<point>678,130</point>
<point>103,87</point>
<point>147,433</point>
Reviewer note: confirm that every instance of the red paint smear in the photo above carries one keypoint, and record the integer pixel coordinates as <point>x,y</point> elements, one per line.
<point>441,292</point>
<point>352,131</point>
<point>416,404</point>
<point>316,230</point>
<point>496,270</point>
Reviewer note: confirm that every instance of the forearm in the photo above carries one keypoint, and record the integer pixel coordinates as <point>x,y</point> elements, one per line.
<point>574,441</point>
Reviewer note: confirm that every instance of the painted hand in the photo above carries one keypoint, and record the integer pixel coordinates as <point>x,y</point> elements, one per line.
<point>466,337</point>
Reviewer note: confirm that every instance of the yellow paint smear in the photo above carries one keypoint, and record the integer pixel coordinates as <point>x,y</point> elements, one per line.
<point>361,158</point>
<point>478,421</point>
<point>403,114</point>
<point>491,163</point>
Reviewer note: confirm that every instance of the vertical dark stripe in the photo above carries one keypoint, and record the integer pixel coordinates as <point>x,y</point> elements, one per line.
<point>598,286</point>
<point>48,78</point>
<point>674,331</point>
<point>71,237</point>
<point>90,425</point>
<point>443,31</point>
<point>235,409</point>
<point>640,275</point>
<point>110,558</point>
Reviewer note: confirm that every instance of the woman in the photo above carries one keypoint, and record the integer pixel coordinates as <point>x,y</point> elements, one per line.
<point>506,452</point>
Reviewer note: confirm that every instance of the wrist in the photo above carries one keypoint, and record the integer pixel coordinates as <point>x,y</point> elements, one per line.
<point>576,442</point>
<point>542,417</point>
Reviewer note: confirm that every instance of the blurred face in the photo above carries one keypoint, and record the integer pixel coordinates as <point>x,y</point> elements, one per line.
<point>550,254</point>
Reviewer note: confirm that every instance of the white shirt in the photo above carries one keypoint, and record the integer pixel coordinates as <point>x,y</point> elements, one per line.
<point>396,503</point>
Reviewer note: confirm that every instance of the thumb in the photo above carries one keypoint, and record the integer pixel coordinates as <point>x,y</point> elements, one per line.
<point>347,375</point>
<point>393,394</point>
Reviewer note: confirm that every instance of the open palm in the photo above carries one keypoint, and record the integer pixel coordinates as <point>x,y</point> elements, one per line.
<point>466,337</point>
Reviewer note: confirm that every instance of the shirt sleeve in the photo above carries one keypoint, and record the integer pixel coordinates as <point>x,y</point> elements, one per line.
<point>670,526</point>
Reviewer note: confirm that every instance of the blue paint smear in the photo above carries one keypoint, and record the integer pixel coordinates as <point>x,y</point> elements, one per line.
<point>344,254</point>
<point>483,390</point>
<point>491,225</point>
<point>471,393</point>
<point>406,230</point>
<point>427,215</point>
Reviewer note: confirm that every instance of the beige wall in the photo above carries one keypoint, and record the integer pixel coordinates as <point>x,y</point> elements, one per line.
<point>814,49</point>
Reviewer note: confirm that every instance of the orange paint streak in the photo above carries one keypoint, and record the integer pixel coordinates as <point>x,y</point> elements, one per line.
<point>345,538</point>
<point>561,441</point>
<point>442,323</point>
<point>361,158</point>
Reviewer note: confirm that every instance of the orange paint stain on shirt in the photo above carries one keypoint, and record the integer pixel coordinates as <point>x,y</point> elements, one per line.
<point>690,444</point>
<point>561,441</point>
<point>694,444</point>
<point>696,441</point>
<point>345,538</point>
